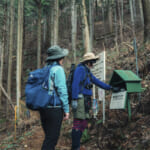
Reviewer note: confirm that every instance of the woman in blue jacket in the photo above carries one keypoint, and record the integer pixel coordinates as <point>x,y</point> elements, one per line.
<point>52,116</point>
<point>81,95</point>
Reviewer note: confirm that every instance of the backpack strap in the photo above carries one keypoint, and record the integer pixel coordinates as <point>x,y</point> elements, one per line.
<point>45,83</point>
<point>85,77</point>
<point>49,78</point>
<point>54,92</point>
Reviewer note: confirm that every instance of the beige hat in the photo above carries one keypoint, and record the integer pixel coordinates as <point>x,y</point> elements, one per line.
<point>89,56</point>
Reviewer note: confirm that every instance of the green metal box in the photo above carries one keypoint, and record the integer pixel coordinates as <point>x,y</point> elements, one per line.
<point>126,79</point>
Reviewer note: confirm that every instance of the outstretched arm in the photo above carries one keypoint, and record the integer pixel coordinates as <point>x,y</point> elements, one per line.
<point>100,83</point>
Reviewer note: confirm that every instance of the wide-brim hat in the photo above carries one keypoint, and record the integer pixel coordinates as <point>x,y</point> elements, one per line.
<point>89,56</point>
<point>56,52</point>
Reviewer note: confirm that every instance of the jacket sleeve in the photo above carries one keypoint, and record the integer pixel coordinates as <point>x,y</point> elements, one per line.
<point>100,83</point>
<point>60,84</point>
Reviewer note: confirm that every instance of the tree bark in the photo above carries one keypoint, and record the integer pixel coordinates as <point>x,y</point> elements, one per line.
<point>91,22</point>
<point>39,36</point>
<point>19,53</point>
<point>120,21</point>
<point>85,28</point>
<point>48,33</point>
<point>44,32</point>
<point>1,69</point>
<point>132,17</point>
<point>110,22</point>
<point>74,29</point>
<point>122,14</point>
<point>3,49</point>
<point>141,12</point>
<point>104,22</point>
<point>10,47</point>
<point>56,21</point>
<point>52,24</point>
<point>116,26</point>
<point>134,9</point>
<point>146,11</point>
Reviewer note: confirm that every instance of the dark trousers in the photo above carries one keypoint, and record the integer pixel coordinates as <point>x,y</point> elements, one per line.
<point>76,136</point>
<point>51,119</point>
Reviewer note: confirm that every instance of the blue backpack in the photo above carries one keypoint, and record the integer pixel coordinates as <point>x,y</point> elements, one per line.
<point>37,90</point>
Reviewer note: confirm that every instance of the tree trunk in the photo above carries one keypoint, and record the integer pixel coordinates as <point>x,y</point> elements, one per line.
<point>52,24</point>
<point>110,22</point>
<point>131,11</point>
<point>146,11</point>
<point>132,17</point>
<point>141,12</point>
<point>11,31</point>
<point>134,9</point>
<point>85,28</point>
<point>1,69</point>
<point>56,21</point>
<point>48,27</point>
<point>116,27</point>
<point>39,36</point>
<point>74,29</point>
<point>104,22</point>
<point>44,32</point>
<point>3,49</point>
<point>19,53</point>
<point>91,22</point>
<point>10,47</point>
<point>96,8</point>
<point>122,15</point>
<point>120,21</point>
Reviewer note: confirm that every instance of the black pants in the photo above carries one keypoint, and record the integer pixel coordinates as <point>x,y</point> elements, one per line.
<point>76,136</point>
<point>51,119</point>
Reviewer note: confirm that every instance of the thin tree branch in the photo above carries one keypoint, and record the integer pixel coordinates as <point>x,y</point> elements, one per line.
<point>9,99</point>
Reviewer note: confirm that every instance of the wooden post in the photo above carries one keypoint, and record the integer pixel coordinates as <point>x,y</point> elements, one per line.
<point>129,108</point>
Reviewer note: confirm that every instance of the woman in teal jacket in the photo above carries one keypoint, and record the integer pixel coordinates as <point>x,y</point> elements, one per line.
<point>52,116</point>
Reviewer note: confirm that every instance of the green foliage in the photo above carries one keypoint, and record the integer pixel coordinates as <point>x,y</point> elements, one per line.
<point>7,144</point>
<point>123,50</point>
<point>85,136</point>
<point>31,11</point>
<point>29,8</point>
<point>2,121</point>
<point>87,3</point>
<point>78,1</point>
<point>3,2</point>
<point>99,121</point>
<point>3,5</point>
<point>45,2</point>
<point>11,146</point>
<point>64,3</point>
<point>28,133</point>
<point>46,5</point>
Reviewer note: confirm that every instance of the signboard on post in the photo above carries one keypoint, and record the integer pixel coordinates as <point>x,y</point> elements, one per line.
<point>118,100</point>
<point>101,94</point>
<point>99,72</point>
<point>99,67</point>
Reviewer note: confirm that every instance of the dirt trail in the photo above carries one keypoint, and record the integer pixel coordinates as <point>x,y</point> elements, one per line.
<point>34,141</point>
